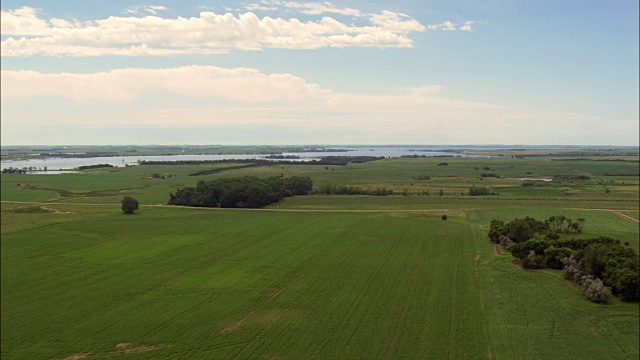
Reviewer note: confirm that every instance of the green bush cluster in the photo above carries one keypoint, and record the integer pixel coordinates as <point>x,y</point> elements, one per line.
<point>241,192</point>
<point>597,265</point>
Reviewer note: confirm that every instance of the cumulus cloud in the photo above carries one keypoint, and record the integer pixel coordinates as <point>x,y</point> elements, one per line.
<point>28,34</point>
<point>23,21</point>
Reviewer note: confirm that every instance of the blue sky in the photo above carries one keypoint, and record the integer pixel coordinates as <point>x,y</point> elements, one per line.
<point>342,72</point>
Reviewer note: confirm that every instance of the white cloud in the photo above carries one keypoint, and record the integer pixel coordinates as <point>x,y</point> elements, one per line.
<point>29,47</point>
<point>397,21</point>
<point>446,26</point>
<point>23,21</point>
<point>467,26</point>
<point>241,95</point>
<point>145,9</point>
<point>229,101</point>
<point>209,33</point>
<point>317,8</point>
<point>449,26</point>
<point>258,7</point>
<point>238,84</point>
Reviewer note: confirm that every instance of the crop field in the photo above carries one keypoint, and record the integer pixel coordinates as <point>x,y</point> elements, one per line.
<point>316,276</point>
<point>262,284</point>
<point>255,285</point>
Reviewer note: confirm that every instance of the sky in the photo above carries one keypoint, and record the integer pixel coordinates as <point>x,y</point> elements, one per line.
<point>431,72</point>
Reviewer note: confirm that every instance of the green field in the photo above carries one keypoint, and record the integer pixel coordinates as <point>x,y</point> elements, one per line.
<point>325,277</point>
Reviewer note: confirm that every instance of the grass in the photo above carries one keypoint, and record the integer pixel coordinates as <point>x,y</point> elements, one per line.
<point>254,282</point>
<point>330,277</point>
<point>261,284</point>
<point>110,185</point>
<point>544,317</point>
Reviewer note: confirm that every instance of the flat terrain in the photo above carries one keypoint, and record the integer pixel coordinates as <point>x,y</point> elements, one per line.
<point>326,277</point>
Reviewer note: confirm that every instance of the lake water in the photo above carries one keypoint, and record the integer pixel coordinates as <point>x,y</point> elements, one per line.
<point>60,164</point>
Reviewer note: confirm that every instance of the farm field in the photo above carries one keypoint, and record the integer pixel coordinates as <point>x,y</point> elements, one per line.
<point>317,276</point>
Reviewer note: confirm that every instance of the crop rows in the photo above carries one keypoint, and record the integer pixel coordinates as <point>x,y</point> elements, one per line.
<point>173,283</point>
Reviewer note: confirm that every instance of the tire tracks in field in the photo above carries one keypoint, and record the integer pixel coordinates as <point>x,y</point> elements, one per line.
<point>613,211</point>
<point>626,217</point>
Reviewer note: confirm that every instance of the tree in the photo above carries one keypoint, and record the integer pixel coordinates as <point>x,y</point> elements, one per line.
<point>129,205</point>
<point>594,290</point>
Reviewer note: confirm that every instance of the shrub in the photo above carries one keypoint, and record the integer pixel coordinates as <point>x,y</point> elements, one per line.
<point>477,191</point>
<point>129,205</point>
<point>594,290</point>
<point>444,217</point>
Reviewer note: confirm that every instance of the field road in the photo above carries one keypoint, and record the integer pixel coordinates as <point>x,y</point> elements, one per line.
<point>241,209</point>
<point>614,212</point>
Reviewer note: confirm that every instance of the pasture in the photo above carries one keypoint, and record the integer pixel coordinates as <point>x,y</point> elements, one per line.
<point>326,277</point>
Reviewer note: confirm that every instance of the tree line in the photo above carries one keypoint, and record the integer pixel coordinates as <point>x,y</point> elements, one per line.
<point>241,192</point>
<point>331,189</point>
<point>325,160</point>
<point>97,166</point>
<point>601,266</point>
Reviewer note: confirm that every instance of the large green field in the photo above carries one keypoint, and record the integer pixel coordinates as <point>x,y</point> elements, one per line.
<point>325,277</point>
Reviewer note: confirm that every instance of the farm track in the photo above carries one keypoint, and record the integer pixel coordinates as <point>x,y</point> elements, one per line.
<point>243,209</point>
<point>627,217</point>
<point>613,211</point>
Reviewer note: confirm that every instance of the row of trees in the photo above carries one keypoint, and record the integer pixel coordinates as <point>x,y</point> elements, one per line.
<point>325,160</point>
<point>561,223</point>
<point>24,170</point>
<point>600,266</point>
<point>96,166</point>
<point>331,189</point>
<point>479,191</point>
<point>241,192</point>
<point>519,230</point>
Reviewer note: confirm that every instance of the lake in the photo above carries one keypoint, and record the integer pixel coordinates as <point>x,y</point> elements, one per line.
<point>60,164</point>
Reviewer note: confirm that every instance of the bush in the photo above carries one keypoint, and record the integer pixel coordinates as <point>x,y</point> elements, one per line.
<point>129,205</point>
<point>594,290</point>
<point>477,191</point>
<point>444,217</point>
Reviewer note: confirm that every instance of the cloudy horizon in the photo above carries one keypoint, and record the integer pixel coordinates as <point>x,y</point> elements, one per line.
<point>350,72</point>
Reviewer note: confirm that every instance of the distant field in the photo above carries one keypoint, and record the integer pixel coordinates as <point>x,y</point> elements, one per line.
<point>317,276</point>
<point>455,179</point>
